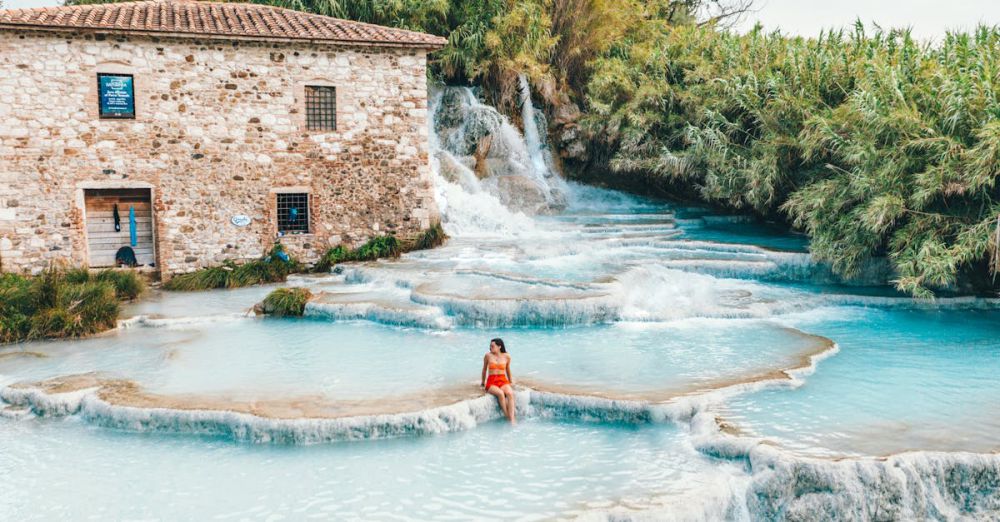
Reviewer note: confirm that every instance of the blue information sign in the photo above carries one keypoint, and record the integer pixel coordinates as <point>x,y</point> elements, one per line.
<point>117,95</point>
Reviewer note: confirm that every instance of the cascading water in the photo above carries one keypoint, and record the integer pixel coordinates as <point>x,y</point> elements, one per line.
<point>665,344</point>
<point>542,162</point>
<point>476,149</point>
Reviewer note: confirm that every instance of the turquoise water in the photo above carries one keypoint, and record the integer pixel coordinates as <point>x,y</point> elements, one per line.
<point>904,380</point>
<point>266,358</point>
<point>59,469</point>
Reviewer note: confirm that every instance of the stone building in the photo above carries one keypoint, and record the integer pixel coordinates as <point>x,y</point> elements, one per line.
<point>211,129</point>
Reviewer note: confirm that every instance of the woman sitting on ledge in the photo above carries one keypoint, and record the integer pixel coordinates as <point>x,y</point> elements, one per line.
<point>497,379</point>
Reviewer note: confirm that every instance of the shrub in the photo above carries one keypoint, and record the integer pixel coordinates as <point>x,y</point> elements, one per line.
<point>286,302</point>
<point>82,309</point>
<point>127,283</point>
<point>60,303</point>
<point>375,248</point>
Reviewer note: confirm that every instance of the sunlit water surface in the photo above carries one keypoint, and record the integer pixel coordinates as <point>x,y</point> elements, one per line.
<point>903,380</point>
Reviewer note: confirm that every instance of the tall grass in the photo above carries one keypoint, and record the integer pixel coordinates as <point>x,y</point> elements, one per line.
<point>375,248</point>
<point>382,247</point>
<point>433,237</point>
<point>63,303</point>
<point>872,142</point>
<point>272,268</point>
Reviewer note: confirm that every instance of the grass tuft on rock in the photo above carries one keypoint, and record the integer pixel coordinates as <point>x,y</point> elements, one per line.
<point>286,302</point>
<point>431,238</point>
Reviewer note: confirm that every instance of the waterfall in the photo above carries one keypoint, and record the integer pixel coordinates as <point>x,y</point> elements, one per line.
<point>489,178</point>
<point>541,156</point>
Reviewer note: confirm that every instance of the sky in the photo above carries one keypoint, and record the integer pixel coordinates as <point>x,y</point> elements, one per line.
<point>929,19</point>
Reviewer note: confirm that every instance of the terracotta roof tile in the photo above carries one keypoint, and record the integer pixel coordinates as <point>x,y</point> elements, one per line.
<point>197,18</point>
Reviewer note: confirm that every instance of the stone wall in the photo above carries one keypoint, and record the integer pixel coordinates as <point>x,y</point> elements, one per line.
<point>219,130</point>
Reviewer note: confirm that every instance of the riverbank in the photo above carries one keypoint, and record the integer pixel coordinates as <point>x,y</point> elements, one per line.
<point>808,131</point>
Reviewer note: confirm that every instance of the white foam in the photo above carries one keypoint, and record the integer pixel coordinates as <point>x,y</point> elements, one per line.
<point>425,317</point>
<point>140,321</point>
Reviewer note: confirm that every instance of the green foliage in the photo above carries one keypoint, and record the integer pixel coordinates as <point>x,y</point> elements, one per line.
<point>128,284</point>
<point>873,143</point>
<point>286,302</point>
<point>382,247</point>
<point>333,256</point>
<point>271,268</point>
<point>491,42</point>
<point>17,305</point>
<point>375,248</point>
<point>431,238</point>
<point>204,279</point>
<point>60,303</point>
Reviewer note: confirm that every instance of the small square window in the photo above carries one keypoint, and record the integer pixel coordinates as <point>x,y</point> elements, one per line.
<point>321,108</point>
<point>116,96</point>
<point>293,213</point>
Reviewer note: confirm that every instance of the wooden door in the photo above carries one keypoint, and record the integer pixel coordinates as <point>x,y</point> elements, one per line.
<point>103,241</point>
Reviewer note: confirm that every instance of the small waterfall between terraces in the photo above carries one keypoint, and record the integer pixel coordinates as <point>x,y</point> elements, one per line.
<point>489,178</point>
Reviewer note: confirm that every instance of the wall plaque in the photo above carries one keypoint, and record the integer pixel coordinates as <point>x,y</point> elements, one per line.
<point>117,95</point>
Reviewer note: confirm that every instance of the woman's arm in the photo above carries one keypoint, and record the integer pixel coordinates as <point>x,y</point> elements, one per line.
<point>510,376</point>
<point>482,381</point>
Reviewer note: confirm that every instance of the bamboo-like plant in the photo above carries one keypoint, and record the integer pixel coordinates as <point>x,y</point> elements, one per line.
<point>873,143</point>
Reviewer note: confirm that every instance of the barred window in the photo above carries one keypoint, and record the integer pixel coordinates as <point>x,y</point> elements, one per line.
<point>293,213</point>
<point>321,108</point>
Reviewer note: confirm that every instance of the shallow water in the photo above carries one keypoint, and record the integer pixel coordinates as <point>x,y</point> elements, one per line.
<point>903,380</point>
<point>539,470</point>
<point>670,363</point>
<point>270,358</point>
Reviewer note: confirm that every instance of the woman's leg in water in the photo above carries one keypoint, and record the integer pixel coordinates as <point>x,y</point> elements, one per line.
<point>493,390</point>
<point>508,392</point>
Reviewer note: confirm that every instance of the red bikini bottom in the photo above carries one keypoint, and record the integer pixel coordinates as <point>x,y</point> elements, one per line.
<point>496,380</point>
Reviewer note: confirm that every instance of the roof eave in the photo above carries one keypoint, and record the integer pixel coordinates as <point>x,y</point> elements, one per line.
<point>430,47</point>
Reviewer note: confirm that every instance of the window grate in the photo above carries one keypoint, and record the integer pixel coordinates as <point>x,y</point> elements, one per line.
<point>321,108</point>
<point>293,213</point>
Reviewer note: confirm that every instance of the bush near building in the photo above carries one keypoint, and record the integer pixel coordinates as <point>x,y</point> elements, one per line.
<point>63,303</point>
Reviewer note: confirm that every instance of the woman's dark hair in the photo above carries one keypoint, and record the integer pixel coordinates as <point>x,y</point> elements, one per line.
<point>499,342</point>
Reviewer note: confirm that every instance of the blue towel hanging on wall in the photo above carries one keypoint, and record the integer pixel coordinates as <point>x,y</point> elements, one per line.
<point>131,225</point>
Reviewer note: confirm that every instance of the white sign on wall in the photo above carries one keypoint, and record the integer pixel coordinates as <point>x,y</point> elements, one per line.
<point>241,220</point>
